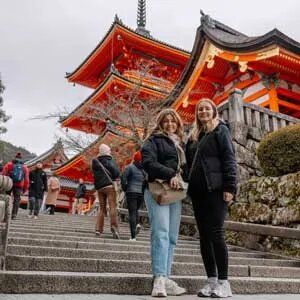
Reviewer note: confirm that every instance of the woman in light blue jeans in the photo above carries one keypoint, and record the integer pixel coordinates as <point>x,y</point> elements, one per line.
<point>162,153</point>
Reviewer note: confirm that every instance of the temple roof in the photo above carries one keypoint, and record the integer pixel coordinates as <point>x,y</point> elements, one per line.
<point>113,78</point>
<point>231,39</point>
<point>56,150</point>
<point>270,53</point>
<point>103,50</point>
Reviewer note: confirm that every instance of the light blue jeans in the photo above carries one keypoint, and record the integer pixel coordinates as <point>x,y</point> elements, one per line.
<point>164,221</point>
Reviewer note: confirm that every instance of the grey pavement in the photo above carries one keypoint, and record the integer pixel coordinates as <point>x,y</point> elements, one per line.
<point>131,297</point>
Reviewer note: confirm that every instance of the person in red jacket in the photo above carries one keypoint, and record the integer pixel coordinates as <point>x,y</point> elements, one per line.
<point>19,174</point>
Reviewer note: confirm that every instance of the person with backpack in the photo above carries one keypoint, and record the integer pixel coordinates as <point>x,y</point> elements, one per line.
<point>106,172</point>
<point>212,185</point>
<point>19,174</point>
<point>133,183</point>
<point>37,187</point>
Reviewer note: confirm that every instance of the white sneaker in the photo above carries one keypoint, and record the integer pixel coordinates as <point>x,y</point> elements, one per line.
<point>208,288</point>
<point>173,289</point>
<point>222,289</point>
<point>35,217</point>
<point>159,287</point>
<point>138,229</point>
<point>132,240</point>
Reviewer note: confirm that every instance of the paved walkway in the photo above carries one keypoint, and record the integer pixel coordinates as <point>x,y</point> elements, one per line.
<point>123,297</point>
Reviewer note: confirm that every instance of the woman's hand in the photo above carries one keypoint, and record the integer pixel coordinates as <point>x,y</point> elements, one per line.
<point>227,197</point>
<point>174,183</point>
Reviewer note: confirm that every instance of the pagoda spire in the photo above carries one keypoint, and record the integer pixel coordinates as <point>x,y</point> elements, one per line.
<point>141,18</point>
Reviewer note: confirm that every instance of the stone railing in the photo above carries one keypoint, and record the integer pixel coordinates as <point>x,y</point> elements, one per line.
<point>236,110</point>
<point>5,185</point>
<point>256,229</point>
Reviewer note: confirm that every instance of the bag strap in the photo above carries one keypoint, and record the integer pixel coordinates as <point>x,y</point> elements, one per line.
<point>200,143</point>
<point>104,170</point>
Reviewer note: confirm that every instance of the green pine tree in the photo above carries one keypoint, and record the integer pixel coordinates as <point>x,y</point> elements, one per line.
<point>3,116</point>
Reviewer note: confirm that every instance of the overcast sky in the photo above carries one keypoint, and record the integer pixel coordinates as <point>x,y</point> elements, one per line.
<point>40,40</point>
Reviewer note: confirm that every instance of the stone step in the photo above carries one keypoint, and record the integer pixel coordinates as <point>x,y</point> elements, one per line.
<point>124,232</point>
<point>145,235</point>
<point>106,239</point>
<point>70,264</point>
<point>110,245</point>
<point>113,253</point>
<point>131,284</point>
<point>90,238</point>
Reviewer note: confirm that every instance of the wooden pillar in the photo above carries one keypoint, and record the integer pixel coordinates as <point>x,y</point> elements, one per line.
<point>273,98</point>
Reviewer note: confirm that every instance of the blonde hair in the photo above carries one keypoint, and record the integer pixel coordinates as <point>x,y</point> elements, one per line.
<point>159,120</point>
<point>198,127</point>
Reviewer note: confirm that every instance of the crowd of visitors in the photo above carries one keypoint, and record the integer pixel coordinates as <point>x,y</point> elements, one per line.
<point>169,167</point>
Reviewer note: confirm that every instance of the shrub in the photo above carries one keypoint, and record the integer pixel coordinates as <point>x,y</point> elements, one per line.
<point>279,151</point>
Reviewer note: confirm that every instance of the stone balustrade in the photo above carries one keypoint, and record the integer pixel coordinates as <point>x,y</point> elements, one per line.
<point>237,111</point>
<point>5,185</point>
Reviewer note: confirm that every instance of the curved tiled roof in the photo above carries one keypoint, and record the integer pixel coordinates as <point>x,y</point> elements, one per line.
<point>100,87</point>
<point>232,40</point>
<point>58,146</point>
<point>118,22</point>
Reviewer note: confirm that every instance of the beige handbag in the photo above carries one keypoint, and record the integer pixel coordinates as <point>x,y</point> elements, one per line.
<point>163,194</point>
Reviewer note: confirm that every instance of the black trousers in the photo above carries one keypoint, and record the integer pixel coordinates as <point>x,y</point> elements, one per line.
<point>210,212</point>
<point>16,191</point>
<point>34,204</point>
<point>52,208</point>
<point>134,202</point>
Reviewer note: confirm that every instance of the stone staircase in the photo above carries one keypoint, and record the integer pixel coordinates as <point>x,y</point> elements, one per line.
<point>60,254</point>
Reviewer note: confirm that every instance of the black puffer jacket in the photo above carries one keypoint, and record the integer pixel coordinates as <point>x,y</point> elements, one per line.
<point>159,157</point>
<point>80,191</point>
<point>37,183</point>
<point>215,162</point>
<point>101,180</point>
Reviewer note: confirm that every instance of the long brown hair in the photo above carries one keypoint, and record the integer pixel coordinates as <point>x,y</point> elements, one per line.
<point>198,127</point>
<point>159,120</point>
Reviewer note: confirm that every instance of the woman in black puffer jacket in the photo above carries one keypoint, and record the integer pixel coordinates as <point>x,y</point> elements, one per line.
<point>162,158</point>
<point>212,185</point>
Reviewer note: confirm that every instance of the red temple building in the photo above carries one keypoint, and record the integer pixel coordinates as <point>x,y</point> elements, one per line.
<point>52,159</point>
<point>113,66</point>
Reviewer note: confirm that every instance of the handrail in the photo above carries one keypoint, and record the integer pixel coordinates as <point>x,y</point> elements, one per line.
<point>275,231</point>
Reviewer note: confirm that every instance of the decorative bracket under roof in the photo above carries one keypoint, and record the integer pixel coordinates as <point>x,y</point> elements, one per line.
<point>141,19</point>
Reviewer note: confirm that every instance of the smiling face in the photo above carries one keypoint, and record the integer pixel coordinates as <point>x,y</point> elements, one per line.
<point>39,165</point>
<point>205,112</point>
<point>169,124</point>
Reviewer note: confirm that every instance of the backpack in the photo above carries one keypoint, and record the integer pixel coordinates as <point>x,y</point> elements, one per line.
<point>17,174</point>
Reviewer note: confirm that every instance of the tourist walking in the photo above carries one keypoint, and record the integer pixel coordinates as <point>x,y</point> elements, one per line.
<point>37,187</point>
<point>133,184</point>
<point>212,185</point>
<point>19,174</point>
<point>53,192</point>
<point>106,172</point>
<point>162,155</point>
<point>79,198</point>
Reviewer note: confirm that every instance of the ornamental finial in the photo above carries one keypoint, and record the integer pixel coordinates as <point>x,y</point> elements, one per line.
<point>141,18</point>
<point>207,20</point>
